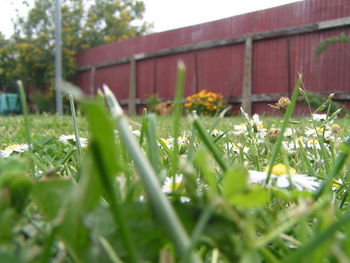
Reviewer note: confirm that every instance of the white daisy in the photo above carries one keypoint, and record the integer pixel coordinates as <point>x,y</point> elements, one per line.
<point>136,133</point>
<point>313,144</point>
<point>172,184</point>
<point>68,139</point>
<point>294,145</point>
<point>319,117</point>
<point>216,132</point>
<point>13,148</point>
<point>314,132</point>
<point>239,129</point>
<point>288,132</point>
<point>337,184</point>
<point>258,126</point>
<point>181,140</point>
<point>283,177</point>
<point>236,147</point>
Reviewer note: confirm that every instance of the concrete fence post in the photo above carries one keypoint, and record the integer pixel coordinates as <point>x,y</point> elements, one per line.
<point>247,77</point>
<point>132,87</point>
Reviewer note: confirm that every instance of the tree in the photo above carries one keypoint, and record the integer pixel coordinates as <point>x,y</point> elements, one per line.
<point>7,63</point>
<point>29,55</point>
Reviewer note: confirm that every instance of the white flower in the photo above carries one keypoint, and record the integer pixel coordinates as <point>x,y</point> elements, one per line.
<point>239,129</point>
<point>283,177</point>
<point>142,198</point>
<point>314,132</point>
<point>313,143</point>
<point>136,133</point>
<point>169,142</point>
<point>236,147</point>
<point>288,132</point>
<point>185,199</point>
<point>172,184</point>
<point>68,139</point>
<point>293,146</point>
<point>216,133</point>
<point>319,117</point>
<point>258,126</point>
<point>337,184</point>
<point>256,120</point>
<point>13,148</point>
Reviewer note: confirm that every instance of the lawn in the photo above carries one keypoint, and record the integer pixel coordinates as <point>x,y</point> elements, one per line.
<point>240,189</point>
<point>12,128</point>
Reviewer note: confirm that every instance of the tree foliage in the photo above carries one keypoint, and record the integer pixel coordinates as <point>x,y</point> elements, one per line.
<point>29,53</point>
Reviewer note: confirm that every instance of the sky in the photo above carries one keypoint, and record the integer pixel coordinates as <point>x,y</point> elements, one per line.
<point>165,14</point>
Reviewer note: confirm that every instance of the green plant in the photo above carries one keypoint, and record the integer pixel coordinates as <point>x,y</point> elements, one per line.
<point>152,101</point>
<point>320,102</point>
<point>140,196</point>
<point>43,102</point>
<point>322,46</point>
<point>205,103</point>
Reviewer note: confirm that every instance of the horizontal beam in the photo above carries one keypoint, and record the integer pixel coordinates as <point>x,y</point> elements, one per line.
<point>284,32</point>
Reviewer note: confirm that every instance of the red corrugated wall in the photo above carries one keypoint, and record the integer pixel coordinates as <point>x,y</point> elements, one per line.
<point>276,62</point>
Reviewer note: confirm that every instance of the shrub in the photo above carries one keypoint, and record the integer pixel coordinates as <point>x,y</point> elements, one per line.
<point>43,102</point>
<point>152,101</point>
<point>205,103</point>
<point>318,101</point>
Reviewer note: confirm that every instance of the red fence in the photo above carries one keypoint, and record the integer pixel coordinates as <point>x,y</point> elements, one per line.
<point>216,56</point>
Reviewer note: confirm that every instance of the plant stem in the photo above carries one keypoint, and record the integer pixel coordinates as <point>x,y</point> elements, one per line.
<point>287,116</point>
<point>75,124</point>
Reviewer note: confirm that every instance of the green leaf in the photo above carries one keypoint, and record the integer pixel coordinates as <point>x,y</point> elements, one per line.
<point>101,131</point>
<point>251,257</point>
<point>253,197</point>
<point>6,258</point>
<point>51,195</point>
<point>202,160</point>
<point>19,187</point>
<point>235,181</point>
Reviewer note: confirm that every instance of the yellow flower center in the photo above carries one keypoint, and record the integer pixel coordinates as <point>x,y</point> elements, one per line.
<point>281,169</point>
<point>13,146</point>
<point>319,130</point>
<point>313,142</point>
<point>174,185</point>
<point>335,185</point>
<point>165,141</point>
<point>260,126</point>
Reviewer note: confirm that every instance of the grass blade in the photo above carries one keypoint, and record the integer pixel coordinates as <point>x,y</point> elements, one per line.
<point>337,166</point>
<point>75,124</point>
<point>318,240</point>
<point>152,146</point>
<point>104,154</point>
<point>25,113</point>
<point>179,90</point>
<point>161,204</point>
<point>110,251</point>
<point>203,135</point>
<point>287,116</point>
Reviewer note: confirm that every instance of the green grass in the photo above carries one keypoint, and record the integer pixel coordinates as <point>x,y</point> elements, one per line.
<point>121,199</point>
<point>12,128</point>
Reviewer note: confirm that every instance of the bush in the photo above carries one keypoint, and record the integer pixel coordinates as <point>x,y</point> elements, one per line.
<point>42,102</point>
<point>45,102</point>
<point>205,103</point>
<point>318,101</point>
<point>152,101</point>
